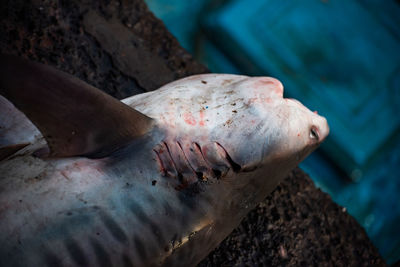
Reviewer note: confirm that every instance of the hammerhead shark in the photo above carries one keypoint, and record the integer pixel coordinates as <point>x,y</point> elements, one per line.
<point>157,179</point>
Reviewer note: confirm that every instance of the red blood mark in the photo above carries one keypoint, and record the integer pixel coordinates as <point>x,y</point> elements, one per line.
<point>253,121</point>
<point>204,151</point>
<point>160,163</point>
<point>267,81</point>
<point>273,84</point>
<point>298,134</point>
<point>315,112</point>
<point>163,157</point>
<point>268,100</point>
<point>263,83</point>
<point>201,122</point>
<point>189,119</point>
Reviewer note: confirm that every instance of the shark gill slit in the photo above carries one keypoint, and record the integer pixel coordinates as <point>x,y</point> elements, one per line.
<point>230,163</point>
<point>199,174</point>
<point>234,166</point>
<point>187,161</point>
<point>180,176</point>
<point>163,169</point>
<point>216,172</point>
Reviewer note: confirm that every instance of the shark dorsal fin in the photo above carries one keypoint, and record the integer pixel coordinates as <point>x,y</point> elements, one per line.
<point>75,118</point>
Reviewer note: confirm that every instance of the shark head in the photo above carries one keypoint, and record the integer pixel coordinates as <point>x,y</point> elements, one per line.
<point>260,126</point>
<point>218,124</point>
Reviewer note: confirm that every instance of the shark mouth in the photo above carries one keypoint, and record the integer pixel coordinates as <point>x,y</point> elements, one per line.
<point>189,162</point>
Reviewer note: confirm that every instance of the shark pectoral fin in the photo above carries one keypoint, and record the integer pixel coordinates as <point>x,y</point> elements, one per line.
<point>76,119</point>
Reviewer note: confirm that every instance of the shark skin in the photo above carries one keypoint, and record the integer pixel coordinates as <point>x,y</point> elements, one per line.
<point>219,145</point>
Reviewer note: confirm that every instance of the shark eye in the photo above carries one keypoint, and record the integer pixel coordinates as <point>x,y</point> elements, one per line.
<point>314,133</point>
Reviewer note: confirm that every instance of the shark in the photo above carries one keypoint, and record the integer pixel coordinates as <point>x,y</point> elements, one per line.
<point>157,179</point>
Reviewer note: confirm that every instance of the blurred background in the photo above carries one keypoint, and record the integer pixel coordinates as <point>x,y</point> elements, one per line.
<point>341,58</point>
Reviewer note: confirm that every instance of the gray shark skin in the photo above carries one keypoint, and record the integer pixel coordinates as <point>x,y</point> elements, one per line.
<point>158,179</point>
